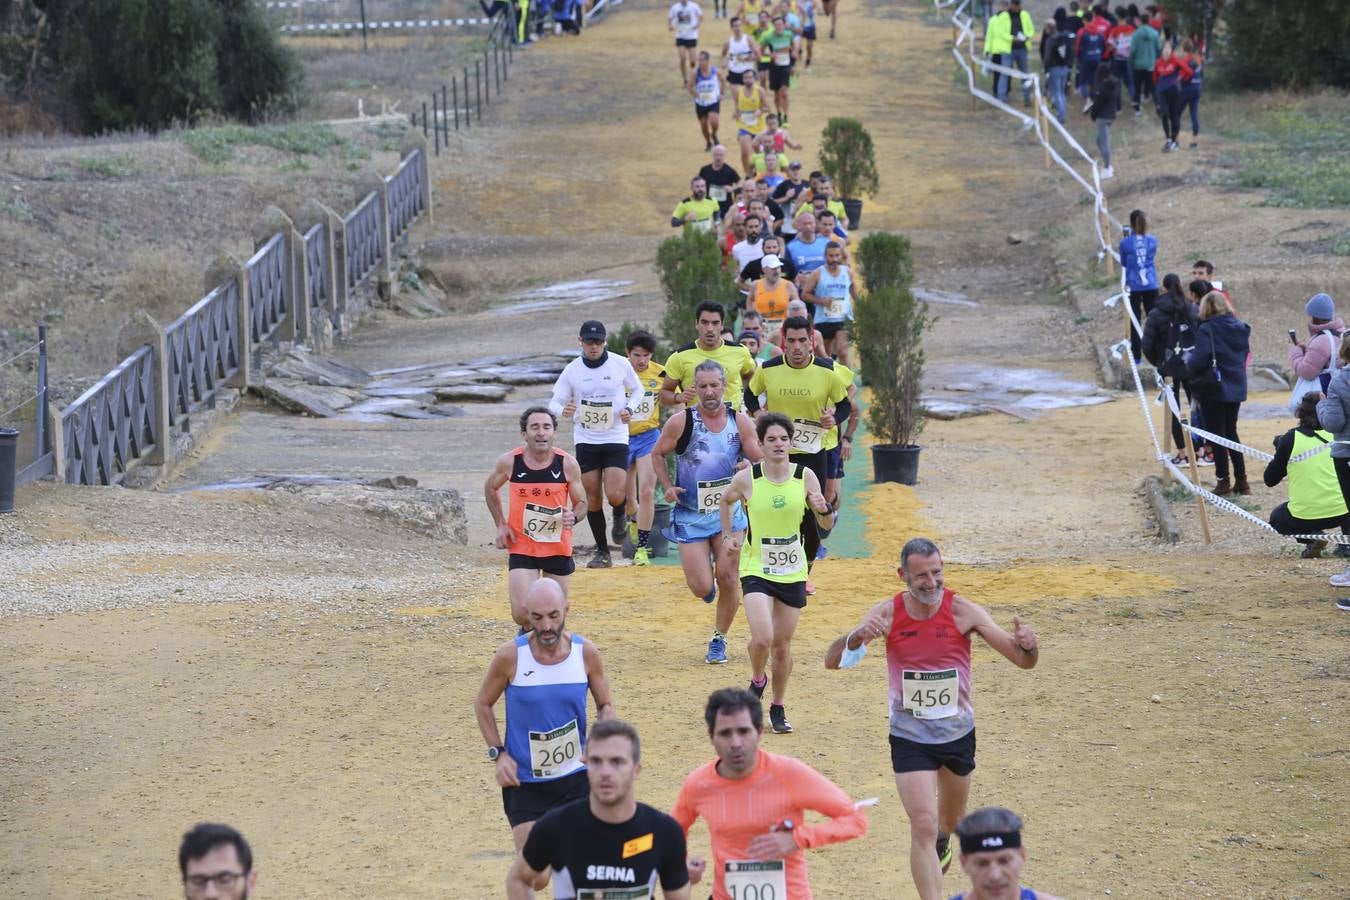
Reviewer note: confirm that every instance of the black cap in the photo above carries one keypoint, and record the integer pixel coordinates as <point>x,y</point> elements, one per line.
<point>592,330</point>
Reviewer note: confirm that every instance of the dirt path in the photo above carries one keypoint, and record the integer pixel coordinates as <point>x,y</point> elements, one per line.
<point>1153,753</point>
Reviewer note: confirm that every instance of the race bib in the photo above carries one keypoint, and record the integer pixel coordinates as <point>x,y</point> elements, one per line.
<point>931,695</point>
<point>617,893</point>
<point>707,96</point>
<point>755,879</point>
<point>837,309</point>
<point>718,193</point>
<point>710,494</point>
<point>597,415</point>
<point>782,58</point>
<point>555,753</point>
<point>806,435</point>
<point>749,118</point>
<point>781,556</point>
<point>543,524</point>
<point>703,225</point>
<point>644,407</point>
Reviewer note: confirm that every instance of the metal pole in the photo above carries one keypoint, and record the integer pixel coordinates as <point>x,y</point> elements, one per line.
<point>454,93</point>
<point>445,112</point>
<point>436,126</point>
<point>365,45</point>
<point>487,80</point>
<point>468,110</point>
<point>497,67</point>
<point>478,88</point>
<point>41,430</point>
<point>424,119</point>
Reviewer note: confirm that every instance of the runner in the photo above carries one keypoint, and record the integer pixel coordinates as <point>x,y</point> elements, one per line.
<point>590,391</point>
<point>927,631</point>
<point>736,363</point>
<point>786,196</point>
<point>808,250</point>
<point>705,86</point>
<point>754,803</point>
<point>764,25</point>
<point>643,430</point>
<point>754,271</point>
<point>798,308</point>
<point>773,571</point>
<point>720,178</point>
<point>711,442</point>
<point>831,9</point>
<point>545,676</point>
<point>738,55</point>
<point>992,855</point>
<point>832,289</point>
<point>545,498</point>
<point>698,209</point>
<point>808,12</point>
<point>779,44</point>
<point>684,18</point>
<point>752,104</point>
<point>770,296</point>
<point>841,436</point>
<point>608,845</point>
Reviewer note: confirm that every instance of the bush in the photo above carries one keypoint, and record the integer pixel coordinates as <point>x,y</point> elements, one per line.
<point>1262,45</point>
<point>884,261</point>
<point>690,267</point>
<point>847,156</point>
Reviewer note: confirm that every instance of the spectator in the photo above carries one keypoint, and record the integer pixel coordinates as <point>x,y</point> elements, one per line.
<point>1221,343</point>
<point>1138,249</point>
<point>1190,89</point>
<point>998,45</point>
<point>215,861</point>
<point>1089,47</point>
<point>1145,48</point>
<point>1314,363</point>
<point>697,209</point>
<point>1057,57</point>
<point>1022,28</point>
<point>1315,501</point>
<point>1169,334</point>
<point>1118,41</point>
<point>1075,18</point>
<point>1204,270</point>
<point>1168,73</point>
<point>1334,415</point>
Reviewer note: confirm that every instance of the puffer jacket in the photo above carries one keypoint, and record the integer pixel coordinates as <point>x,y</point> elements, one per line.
<point>1334,412</point>
<point>1311,360</point>
<point>1226,339</point>
<point>1169,333</point>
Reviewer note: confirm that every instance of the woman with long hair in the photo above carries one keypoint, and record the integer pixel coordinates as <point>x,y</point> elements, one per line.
<point>1168,73</point>
<point>1191,87</point>
<point>1169,334</point>
<point>1221,345</point>
<point>1138,250</point>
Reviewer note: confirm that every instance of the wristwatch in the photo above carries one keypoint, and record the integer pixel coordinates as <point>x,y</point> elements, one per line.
<point>494,752</point>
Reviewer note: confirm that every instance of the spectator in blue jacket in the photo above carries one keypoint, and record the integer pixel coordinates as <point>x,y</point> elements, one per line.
<point>1138,249</point>
<point>1334,414</point>
<point>1222,342</point>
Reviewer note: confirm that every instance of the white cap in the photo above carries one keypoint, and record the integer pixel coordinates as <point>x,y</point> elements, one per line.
<point>770,261</point>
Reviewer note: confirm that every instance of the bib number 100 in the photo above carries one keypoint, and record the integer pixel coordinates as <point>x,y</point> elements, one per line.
<point>755,880</point>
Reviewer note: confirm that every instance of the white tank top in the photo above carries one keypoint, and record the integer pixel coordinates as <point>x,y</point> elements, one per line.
<point>740,55</point>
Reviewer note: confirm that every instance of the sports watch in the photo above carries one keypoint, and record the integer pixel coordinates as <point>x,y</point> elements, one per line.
<point>494,752</point>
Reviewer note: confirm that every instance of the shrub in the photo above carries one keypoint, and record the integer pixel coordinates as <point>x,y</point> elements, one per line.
<point>847,156</point>
<point>690,267</point>
<point>1262,45</point>
<point>884,261</point>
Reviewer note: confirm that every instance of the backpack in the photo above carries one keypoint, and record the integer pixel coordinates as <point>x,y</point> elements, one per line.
<point>1061,49</point>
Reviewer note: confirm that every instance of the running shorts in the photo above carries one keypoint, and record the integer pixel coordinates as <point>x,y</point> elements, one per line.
<point>640,445</point>
<point>763,65</point>
<point>779,77</point>
<point>741,76</point>
<point>686,42</point>
<point>956,756</point>
<point>549,565</point>
<point>792,594</point>
<point>529,801</point>
<point>829,329</point>
<point>702,111</point>
<point>690,527</point>
<point>809,33</point>
<point>602,456</point>
<point>834,460</point>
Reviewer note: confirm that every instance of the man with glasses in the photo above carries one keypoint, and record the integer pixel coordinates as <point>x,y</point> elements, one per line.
<point>216,861</point>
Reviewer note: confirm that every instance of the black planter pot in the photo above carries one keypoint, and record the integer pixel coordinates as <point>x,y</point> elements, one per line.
<point>892,462</point>
<point>853,209</point>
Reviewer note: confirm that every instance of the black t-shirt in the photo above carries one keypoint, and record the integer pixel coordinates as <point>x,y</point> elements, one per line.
<point>753,271</point>
<point>724,179</point>
<point>585,852</point>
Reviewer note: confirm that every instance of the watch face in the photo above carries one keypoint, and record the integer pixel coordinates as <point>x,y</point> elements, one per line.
<point>493,753</point>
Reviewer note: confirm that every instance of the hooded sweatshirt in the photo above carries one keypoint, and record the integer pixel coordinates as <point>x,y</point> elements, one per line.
<point>1311,360</point>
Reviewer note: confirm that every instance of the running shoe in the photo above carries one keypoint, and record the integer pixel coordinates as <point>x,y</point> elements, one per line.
<point>1341,580</point>
<point>600,560</point>
<point>1341,550</point>
<point>620,526</point>
<point>717,651</point>
<point>1343,604</point>
<point>944,852</point>
<point>1108,172</point>
<point>757,688</point>
<point>778,720</point>
<point>641,557</point>
<point>821,552</point>
<point>1313,549</point>
<point>711,596</point>
<point>1193,145</point>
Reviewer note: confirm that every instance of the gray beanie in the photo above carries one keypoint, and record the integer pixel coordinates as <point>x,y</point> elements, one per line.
<point>1321,306</point>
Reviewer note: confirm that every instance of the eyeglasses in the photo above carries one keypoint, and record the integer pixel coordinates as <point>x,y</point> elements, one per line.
<point>223,880</point>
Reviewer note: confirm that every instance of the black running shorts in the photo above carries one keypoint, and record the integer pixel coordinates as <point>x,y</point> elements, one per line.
<point>956,756</point>
<point>532,799</point>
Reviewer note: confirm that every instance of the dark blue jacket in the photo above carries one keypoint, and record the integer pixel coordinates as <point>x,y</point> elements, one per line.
<point>1228,339</point>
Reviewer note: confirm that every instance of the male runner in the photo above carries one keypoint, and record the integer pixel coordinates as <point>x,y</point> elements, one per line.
<point>750,247</point>
<point>770,296</point>
<point>643,430</point>
<point>780,45</point>
<point>786,195</point>
<point>705,86</point>
<point>831,9</point>
<point>736,362</point>
<point>833,292</point>
<point>754,271</point>
<point>992,855</point>
<point>808,250</point>
<point>545,497</point>
<point>799,309</point>
<point>719,178</point>
<point>805,388</point>
<point>590,391</point>
<point>545,676</point>
<point>755,804</point>
<point>842,438</point>
<point>684,19</point>
<point>738,55</point>
<point>711,442</point>
<point>698,209</point>
<point>215,861</point>
<point>752,104</point>
<point>773,571</point>
<point>927,630</point>
<point>808,8</point>
<point>608,845</point>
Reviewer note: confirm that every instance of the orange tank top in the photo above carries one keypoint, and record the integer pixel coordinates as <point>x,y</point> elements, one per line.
<point>538,498</point>
<point>771,303</point>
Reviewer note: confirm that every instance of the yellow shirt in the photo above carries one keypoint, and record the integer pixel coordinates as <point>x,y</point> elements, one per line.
<point>846,378</point>
<point>648,415</point>
<point>801,395</point>
<point>735,360</point>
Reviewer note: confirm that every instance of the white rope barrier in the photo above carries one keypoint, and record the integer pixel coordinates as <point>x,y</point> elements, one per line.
<point>965,35</point>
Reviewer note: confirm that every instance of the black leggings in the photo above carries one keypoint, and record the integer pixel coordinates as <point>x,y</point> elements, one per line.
<point>1142,304</point>
<point>1178,436</point>
<point>1190,100</point>
<point>816,462</point>
<point>1285,522</point>
<point>1221,418</point>
<point>1169,108</point>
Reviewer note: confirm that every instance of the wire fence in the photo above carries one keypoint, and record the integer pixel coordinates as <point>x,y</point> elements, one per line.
<point>26,410</point>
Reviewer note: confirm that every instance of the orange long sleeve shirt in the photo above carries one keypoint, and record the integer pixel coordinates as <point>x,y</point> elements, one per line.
<point>779,788</point>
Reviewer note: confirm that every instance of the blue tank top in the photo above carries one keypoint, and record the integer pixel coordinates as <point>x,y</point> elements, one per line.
<point>546,714</point>
<point>707,464</point>
<point>707,91</point>
<point>835,287</point>
<point>1027,894</point>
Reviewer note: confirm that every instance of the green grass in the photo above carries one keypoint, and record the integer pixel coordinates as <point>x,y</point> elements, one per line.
<point>1175,493</point>
<point>1301,155</point>
<point>117,166</point>
<point>1098,281</point>
<point>217,145</point>
<point>1340,246</point>
<point>17,211</point>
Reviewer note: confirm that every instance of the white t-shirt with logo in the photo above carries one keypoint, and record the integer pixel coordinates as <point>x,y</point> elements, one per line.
<point>600,394</point>
<point>686,17</point>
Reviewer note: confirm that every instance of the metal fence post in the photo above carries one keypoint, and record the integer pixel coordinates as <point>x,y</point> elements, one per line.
<point>424,119</point>
<point>454,94</point>
<point>497,67</point>
<point>478,88</point>
<point>437,126</point>
<point>445,111</point>
<point>58,443</point>
<point>271,222</point>
<point>337,298</point>
<point>468,110</point>
<point>225,268</point>
<point>40,425</point>
<point>487,79</point>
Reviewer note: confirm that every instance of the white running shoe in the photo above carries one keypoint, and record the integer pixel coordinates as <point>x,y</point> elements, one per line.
<point>1108,172</point>
<point>1341,580</point>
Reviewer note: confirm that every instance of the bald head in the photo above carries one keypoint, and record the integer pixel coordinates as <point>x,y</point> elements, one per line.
<point>546,606</point>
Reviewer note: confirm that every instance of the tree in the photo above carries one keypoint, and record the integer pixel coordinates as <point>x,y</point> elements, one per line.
<point>889,324</point>
<point>1261,45</point>
<point>690,267</point>
<point>847,156</point>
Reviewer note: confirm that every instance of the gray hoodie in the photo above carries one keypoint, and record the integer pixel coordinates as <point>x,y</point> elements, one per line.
<point>1334,412</point>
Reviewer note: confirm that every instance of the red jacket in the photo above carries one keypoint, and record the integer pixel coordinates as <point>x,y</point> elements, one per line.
<point>1118,41</point>
<point>1169,72</point>
<point>1099,25</point>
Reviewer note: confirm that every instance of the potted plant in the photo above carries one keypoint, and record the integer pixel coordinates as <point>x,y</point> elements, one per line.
<point>889,323</point>
<point>846,155</point>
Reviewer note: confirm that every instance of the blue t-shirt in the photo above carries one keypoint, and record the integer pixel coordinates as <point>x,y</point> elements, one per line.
<point>807,257</point>
<point>1136,255</point>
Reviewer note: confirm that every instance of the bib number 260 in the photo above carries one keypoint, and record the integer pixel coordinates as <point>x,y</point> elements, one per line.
<point>555,753</point>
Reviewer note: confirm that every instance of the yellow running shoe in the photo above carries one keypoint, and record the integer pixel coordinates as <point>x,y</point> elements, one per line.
<point>641,557</point>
